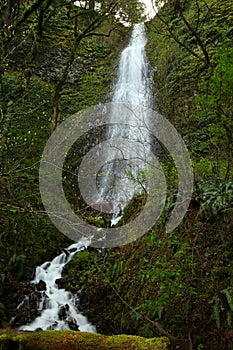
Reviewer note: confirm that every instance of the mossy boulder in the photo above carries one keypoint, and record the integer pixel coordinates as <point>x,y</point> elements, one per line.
<point>60,340</point>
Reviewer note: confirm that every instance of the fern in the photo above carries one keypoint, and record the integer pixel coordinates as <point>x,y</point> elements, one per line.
<point>215,196</point>
<point>2,279</point>
<point>1,307</point>
<point>227,293</point>
<point>117,269</point>
<point>216,311</point>
<point>216,315</point>
<point>229,319</point>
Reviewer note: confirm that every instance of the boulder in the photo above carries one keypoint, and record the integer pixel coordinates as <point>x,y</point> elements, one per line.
<point>41,286</point>
<point>61,282</point>
<point>62,313</point>
<point>72,323</point>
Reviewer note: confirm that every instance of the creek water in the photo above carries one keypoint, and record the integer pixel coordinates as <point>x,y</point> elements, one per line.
<point>59,309</point>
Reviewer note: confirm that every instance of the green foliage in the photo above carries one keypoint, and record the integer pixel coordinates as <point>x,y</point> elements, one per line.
<point>33,63</point>
<point>2,280</point>
<point>16,263</point>
<point>27,236</point>
<point>228,296</point>
<point>170,278</point>
<point>177,279</point>
<point>82,269</point>
<point>152,308</point>
<point>215,196</point>
<point>116,270</point>
<point>2,308</point>
<point>216,311</point>
<point>220,307</point>
<point>200,347</point>
<point>214,104</point>
<point>194,97</point>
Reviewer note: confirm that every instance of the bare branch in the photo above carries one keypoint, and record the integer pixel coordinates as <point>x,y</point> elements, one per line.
<point>172,34</point>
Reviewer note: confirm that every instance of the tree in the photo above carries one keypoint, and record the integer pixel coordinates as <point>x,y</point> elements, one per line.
<point>24,22</point>
<point>27,27</point>
<point>214,107</point>
<point>108,11</point>
<point>186,30</point>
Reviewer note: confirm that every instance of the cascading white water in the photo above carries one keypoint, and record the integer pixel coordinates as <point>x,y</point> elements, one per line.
<point>58,307</point>
<point>134,81</point>
<point>59,310</point>
<point>134,87</point>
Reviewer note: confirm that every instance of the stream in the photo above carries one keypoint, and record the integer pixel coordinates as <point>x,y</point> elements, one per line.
<point>59,308</point>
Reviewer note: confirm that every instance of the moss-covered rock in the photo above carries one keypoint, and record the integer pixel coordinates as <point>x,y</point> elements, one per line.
<point>68,340</point>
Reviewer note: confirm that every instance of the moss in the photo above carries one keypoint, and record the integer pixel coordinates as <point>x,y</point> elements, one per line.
<point>134,342</point>
<point>82,259</point>
<point>5,341</point>
<point>98,222</point>
<point>60,340</point>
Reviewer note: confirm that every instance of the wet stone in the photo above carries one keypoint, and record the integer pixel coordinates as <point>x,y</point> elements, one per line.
<point>41,286</point>
<point>61,282</point>
<point>62,314</point>
<point>72,323</point>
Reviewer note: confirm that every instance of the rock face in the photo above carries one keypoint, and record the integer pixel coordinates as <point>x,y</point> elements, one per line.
<point>41,286</point>
<point>61,282</point>
<point>69,340</point>
<point>23,306</point>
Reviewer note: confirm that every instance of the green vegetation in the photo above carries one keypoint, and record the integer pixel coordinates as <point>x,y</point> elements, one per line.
<point>56,340</point>
<point>194,91</point>
<point>177,284</point>
<point>180,281</point>
<point>39,86</point>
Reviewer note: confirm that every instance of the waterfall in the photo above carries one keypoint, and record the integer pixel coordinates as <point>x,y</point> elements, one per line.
<point>134,81</point>
<point>133,87</point>
<point>58,307</point>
